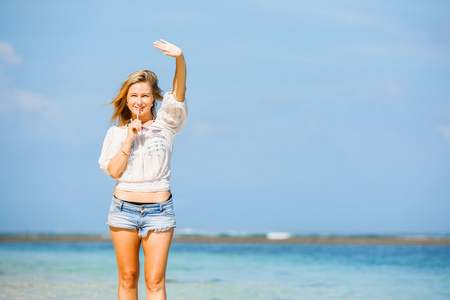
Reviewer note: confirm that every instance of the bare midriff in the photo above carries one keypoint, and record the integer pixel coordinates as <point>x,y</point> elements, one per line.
<point>144,197</point>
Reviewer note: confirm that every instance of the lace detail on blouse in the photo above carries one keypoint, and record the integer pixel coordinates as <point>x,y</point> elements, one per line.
<point>148,166</point>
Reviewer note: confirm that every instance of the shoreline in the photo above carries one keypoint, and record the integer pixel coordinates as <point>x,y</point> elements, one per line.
<point>313,240</point>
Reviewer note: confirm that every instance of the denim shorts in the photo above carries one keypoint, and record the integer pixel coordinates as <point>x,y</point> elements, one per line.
<point>144,218</point>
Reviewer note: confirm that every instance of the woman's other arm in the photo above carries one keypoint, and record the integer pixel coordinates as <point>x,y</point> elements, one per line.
<point>179,80</point>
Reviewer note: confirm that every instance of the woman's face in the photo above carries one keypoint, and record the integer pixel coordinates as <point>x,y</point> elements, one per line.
<point>140,99</point>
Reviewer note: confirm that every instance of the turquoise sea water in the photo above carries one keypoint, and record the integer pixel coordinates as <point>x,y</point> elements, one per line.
<point>233,271</point>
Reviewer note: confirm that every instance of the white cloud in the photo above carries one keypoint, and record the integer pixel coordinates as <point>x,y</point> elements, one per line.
<point>19,109</point>
<point>31,102</point>
<point>393,90</point>
<point>445,131</point>
<point>7,54</point>
<point>14,101</point>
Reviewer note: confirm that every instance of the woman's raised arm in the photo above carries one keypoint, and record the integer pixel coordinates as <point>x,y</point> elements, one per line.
<point>179,80</point>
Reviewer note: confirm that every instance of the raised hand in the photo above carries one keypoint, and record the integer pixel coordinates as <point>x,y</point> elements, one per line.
<point>168,48</point>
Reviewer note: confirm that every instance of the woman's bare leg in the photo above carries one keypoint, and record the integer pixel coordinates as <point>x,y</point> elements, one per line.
<point>156,249</point>
<point>126,244</point>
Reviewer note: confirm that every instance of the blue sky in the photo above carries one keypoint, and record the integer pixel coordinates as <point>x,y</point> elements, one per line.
<point>304,116</point>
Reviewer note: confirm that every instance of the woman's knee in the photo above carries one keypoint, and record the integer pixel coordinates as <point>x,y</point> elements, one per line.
<point>155,283</point>
<point>129,279</point>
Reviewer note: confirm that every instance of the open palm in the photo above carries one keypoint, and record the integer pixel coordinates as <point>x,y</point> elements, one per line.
<point>168,48</point>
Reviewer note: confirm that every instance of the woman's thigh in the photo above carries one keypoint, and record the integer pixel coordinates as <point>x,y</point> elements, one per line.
<point>126,245</point>
<point>156,247</point>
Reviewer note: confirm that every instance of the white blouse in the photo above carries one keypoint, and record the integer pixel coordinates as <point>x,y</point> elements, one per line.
<point>148,166</point>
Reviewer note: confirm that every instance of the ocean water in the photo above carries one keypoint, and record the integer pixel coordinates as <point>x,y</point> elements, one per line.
<point>233,271</point>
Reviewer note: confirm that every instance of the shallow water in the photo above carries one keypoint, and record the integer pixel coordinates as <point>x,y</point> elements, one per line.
<point>233,271</point>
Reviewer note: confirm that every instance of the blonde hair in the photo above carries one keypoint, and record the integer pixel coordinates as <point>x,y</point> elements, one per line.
<point>122,113</point>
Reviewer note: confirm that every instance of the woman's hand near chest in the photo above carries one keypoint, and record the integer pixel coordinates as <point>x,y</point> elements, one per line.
<point>119,162</point>
<point>133,129</point>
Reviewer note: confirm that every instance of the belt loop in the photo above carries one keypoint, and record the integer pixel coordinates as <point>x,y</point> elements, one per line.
<point>160,207</point>
<point>121,205</point>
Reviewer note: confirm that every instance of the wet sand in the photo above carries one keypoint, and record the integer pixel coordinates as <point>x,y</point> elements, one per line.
<point>335,240</point>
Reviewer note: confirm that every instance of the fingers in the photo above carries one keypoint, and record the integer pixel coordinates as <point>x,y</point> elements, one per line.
<point>135,126</point>
<point>168,48</point>
<point>161,48</point>
<point>135,121</point>
<point>162,42</point>
<point>160,45</point>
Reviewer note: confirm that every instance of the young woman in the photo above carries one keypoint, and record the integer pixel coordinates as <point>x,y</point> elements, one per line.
<point>137,154</point>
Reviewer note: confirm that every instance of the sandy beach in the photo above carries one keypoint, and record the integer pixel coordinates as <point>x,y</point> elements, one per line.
<point>343,240</point>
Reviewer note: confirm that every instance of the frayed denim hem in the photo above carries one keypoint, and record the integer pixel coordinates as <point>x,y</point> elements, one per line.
<point>144,233</point>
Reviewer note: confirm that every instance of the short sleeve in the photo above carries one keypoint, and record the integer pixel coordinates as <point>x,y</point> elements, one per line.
<point>172,114</point>
<point>111,146</point>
